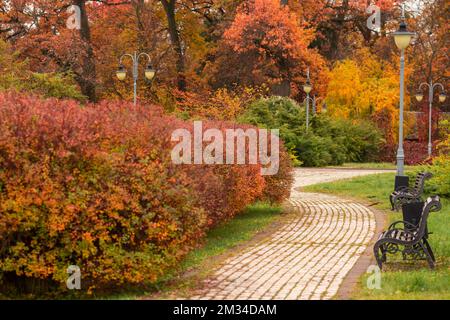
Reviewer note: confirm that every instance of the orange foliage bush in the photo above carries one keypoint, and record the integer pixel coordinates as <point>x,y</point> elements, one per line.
<point>221,104</point>
<point>278,187</point>
<point>95,187</point>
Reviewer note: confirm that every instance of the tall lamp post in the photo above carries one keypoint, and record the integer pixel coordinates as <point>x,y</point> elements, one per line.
<point>307,100</point>
<point>402,39</point>
<point>121,73</point>
<point>307,87</point>
<point>442,97</point>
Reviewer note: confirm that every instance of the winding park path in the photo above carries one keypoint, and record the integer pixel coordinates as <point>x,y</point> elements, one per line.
<point>308,256</point>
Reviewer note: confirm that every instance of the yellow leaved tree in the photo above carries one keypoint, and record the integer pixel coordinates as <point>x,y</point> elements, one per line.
<point>366,87</point>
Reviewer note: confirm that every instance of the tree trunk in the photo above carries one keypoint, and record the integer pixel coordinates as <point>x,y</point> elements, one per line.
<point>169,8</point>
<point>88,73</point>
<point>139,6</point>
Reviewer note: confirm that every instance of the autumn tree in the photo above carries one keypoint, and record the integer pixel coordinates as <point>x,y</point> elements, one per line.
<point>39,29</point>
<point>181,18</point>
<point>16,76</point>
<point>88,76</point>
<point>430,50</point>
<point>169,8</point>
<point>366,87</point>
<point>265,44</point>
<point>339,25</point>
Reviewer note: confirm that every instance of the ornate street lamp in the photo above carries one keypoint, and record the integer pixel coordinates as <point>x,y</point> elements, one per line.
<point>419,97</point>
<point>121,72</point>
<point>402,39</point>
<point>307,87</point>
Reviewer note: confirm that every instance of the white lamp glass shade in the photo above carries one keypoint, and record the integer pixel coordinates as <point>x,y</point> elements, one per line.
<point>307,88</point>
<point>150,73</point>
<point>402,39</point>
<point>419,97</point>
<point>121,74</point>
<point>442,97</point>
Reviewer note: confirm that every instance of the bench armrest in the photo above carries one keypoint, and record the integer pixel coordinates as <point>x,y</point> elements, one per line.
<point>399,199</point>
<point>404,190</point>
<point>405,224</point>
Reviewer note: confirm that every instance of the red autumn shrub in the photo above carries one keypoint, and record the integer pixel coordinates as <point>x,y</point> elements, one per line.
<point>278,187</point>
<point>91,187</point>
<point>415,152</point>
<point>225,190</point>
<point>423,123</point>
<point>95,187</point>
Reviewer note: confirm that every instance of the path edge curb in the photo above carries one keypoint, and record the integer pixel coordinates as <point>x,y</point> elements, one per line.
<point>351,280</point>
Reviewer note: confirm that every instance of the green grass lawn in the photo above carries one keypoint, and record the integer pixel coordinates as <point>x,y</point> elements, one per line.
<point>401,280</point>
<point>242,228</point>
<point>369,165</point>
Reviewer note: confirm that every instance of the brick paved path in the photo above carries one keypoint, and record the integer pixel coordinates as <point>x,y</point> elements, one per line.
<point>308,257</point>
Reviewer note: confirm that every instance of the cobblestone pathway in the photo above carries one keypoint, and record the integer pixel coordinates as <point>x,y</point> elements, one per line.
<point>308,257</point>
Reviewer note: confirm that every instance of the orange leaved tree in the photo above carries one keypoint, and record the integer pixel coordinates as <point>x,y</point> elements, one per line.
<point>266,44</point>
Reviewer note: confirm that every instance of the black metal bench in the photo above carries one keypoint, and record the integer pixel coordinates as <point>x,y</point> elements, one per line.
<point>409,195</point>
<point>410,240</point>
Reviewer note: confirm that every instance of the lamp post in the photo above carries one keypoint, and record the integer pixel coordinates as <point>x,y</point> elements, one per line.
<point>314,100</point>
<point>307,100</point>
<point>402,39</point>
<point>442,97</point>
<point>121,73</point>
<point>307,87</point>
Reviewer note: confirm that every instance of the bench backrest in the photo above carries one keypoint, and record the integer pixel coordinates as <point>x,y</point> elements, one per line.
<point>433,204</point>
<point>419,184</point>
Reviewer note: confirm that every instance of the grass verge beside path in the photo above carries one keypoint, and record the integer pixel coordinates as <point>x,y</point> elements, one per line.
<point>366,165</point>
<point>400,280</point>
<point>240,229</point>
<point>369,165</point>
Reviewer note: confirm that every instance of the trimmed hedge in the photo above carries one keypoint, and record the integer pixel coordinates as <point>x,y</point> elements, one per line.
<point>95,187</point>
